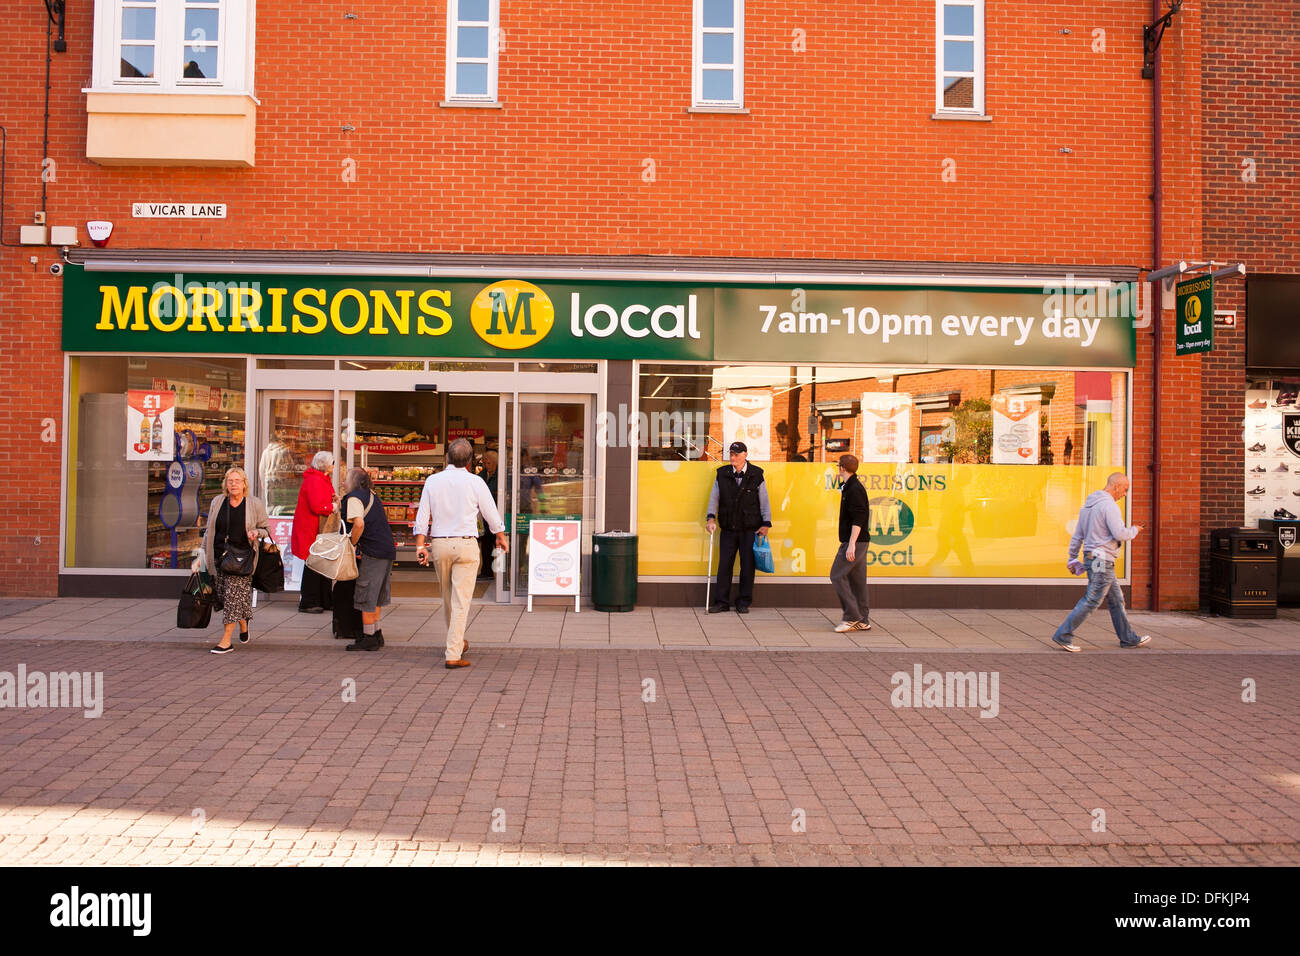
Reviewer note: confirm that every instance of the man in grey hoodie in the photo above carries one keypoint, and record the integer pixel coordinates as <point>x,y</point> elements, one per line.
<point>1100,530</point>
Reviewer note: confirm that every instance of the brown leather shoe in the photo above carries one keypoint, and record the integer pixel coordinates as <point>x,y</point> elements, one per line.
<point>460,663</point>
<point>466,643</point>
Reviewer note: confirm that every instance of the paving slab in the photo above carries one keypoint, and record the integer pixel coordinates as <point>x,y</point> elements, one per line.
<point>293,752</point>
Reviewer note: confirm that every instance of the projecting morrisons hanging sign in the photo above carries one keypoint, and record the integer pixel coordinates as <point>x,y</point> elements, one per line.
<point>319,315</point>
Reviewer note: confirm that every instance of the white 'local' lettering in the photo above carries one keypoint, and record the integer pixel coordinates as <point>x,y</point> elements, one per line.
<point>601,320</point>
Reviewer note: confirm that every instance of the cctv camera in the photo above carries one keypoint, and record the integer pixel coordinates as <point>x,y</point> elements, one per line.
<point>56,268</point>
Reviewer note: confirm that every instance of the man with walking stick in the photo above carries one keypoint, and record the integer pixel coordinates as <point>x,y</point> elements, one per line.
<point>738,505</point>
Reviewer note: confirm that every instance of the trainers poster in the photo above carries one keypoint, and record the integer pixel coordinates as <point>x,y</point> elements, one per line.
<point>1015,430</point>
<point>150,426</point>
<point>1263,452</point>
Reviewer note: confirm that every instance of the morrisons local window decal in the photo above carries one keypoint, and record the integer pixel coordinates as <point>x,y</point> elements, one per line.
<point>383,316</point>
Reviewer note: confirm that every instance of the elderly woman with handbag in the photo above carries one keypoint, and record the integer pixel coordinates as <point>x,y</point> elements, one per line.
<point>230,549</point>
<point>316,501</point>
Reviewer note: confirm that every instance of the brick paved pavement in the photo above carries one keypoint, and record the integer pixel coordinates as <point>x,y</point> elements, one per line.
<point>419,623</point>
<point>256,758</point>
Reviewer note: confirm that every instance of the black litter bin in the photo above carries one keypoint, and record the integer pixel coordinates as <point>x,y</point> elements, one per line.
<point>1243,572</point>
<point>1286,531</point>
<point>613,571</point>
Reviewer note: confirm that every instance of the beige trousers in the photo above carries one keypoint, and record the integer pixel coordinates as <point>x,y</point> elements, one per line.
<point>456,560</point>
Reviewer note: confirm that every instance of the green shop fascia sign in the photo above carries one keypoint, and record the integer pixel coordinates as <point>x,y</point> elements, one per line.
<point>462,318</point>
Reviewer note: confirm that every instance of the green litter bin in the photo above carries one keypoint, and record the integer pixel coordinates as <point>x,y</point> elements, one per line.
<point>613,571</point>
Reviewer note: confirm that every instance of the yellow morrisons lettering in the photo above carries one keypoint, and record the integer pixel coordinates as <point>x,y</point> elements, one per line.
<point>243,308</point>
<point>156,309</point>
<point>114,309</point>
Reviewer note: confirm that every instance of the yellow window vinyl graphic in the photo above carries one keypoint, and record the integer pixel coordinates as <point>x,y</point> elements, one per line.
<point>940,521</point>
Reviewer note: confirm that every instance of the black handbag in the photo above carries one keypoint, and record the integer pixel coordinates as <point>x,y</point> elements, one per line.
<point>268,577</point>
<point>238,560</point>
<point>195,607</point>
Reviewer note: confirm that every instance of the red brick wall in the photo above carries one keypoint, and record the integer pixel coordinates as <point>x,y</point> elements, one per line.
<point>1250,90</point>
<point>1176,537</point>
<point>32,392</point>
<point>837,157</point>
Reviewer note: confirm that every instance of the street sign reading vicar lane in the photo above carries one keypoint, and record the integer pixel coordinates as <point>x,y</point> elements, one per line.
<point>1194,316</point>
<point>178,210</point>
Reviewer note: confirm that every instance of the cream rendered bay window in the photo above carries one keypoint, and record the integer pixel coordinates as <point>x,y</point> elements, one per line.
<point>172,83</point>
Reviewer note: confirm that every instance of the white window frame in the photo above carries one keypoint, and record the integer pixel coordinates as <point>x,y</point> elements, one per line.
<point>494,50</point>
<point>977,75</point>
<point>235,21</point>
<point>737,102</point>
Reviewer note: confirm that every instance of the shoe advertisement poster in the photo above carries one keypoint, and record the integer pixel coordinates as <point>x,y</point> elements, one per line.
<point>554,558</point>
<point>150,426</point>
<point>1271,436</point>
<point>1015,430</point>
<point>886,426</point>
<point>747,417</point>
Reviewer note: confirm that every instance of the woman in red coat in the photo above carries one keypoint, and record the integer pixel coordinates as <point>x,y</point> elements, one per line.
<point>315,501</point>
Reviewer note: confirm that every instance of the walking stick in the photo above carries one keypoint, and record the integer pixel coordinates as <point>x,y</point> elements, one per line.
<point>708,573</point>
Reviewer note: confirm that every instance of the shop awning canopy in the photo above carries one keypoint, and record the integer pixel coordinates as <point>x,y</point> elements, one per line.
<point>717,270</point>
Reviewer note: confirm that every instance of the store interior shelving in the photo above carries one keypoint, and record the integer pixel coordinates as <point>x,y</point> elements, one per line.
<point>223,432</point>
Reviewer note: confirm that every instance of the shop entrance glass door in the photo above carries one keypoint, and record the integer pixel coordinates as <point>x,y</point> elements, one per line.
<point>292,427</point>
<point>552,474</point>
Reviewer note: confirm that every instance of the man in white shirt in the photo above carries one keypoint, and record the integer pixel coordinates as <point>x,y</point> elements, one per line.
<point>450,505</point>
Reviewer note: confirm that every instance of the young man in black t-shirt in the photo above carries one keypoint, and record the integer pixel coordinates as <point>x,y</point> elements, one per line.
<point>849,569</point>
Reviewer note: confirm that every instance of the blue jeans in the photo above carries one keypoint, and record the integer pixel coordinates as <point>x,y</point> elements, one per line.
<point>1102,586</point>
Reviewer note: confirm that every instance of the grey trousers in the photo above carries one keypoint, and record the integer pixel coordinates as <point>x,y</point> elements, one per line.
<point>850,580</point>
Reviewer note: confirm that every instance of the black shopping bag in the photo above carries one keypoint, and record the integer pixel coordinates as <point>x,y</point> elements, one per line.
<point>268,577</point>
<point>347,619</point>
<point>195,608</point>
